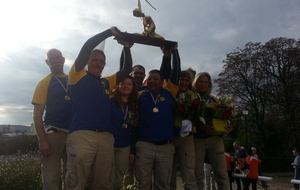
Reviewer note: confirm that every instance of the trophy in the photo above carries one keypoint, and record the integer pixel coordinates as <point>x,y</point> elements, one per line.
<point>148,36</point>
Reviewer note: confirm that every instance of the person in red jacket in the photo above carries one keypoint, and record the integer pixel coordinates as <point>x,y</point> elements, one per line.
<point>252,176</point>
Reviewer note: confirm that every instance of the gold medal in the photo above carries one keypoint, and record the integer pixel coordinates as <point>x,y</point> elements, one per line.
<point>155,101</point>
<point>67,98</point>
<point>124,125</point>
<point>155,110</point>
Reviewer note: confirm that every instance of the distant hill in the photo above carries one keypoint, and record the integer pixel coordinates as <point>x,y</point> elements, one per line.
<point>13,130</point>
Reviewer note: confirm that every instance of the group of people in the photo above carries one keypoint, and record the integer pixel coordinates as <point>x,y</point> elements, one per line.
<point>243,169</point>
<point>248,165</point>
<point>99,128</point>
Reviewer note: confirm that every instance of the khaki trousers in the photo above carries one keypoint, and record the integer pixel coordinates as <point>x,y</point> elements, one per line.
<point>53,166</point>
<point>89,152</point>
<point>153,161</point>
<point>121,166</point>
<point>213,149</point>
<point>185,158</point>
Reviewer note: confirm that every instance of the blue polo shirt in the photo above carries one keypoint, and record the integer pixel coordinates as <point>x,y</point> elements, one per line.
<point>156,126</point>
<point>123,136</point>
<point>91,104</point>
<point>49,92</point>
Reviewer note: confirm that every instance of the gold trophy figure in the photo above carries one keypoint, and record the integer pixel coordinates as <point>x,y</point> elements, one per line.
<point>149,25</point>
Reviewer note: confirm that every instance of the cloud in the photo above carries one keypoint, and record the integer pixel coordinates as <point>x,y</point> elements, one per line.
<point>205,30</point>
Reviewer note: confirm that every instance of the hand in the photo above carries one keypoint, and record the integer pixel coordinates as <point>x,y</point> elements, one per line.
<point>166,51</point>
<point>115,31</point>
<point>228,128</point>
<point>124,43</point>
<point>44,147</point>
<point>131,158</point>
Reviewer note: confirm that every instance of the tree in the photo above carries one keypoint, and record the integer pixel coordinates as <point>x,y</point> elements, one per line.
<point>264,79</point>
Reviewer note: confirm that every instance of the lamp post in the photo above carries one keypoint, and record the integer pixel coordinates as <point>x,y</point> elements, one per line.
<point>245,113</point>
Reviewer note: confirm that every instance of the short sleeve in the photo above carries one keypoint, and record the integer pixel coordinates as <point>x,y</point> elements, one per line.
<point>41,91</point>
<point>171,87</point>
<point>75,76</point>
<point>112,80</point>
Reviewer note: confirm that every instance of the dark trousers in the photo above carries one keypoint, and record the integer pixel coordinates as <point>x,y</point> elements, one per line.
<point>249,181</point>
<point>238,183</point>
<point>231,180</point>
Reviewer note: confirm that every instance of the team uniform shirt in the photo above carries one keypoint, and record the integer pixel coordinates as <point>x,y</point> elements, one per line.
<point>112,80</point>
<point>253,163</point>
<point>51,93</point>
<point>171,87</point>
<point>156,126</point>
<point>91,104</point>
<point>123,118</point>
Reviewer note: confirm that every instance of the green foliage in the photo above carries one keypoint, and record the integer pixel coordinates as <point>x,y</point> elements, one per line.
<point>265,80</point>
<point>20,172</point>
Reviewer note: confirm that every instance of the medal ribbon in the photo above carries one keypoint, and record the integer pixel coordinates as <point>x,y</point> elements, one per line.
<point>61,84</point>
<point>125,113</point>
<point>154,99</point>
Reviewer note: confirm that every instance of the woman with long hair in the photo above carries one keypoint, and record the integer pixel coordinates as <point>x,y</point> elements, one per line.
<point>208,142</point>
<point>124,108</point>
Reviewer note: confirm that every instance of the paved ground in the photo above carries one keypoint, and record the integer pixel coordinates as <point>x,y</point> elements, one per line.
<point>281,181</point>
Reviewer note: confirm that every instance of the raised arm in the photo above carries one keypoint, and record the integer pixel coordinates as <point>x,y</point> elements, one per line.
<point>176,70</point>
<point>171,72</point>
<point>165,67</point>
<point>90,44</point>
<point>125,63</point>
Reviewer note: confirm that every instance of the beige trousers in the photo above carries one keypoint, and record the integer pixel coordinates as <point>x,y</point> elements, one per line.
<point>121,166</point>
<point>153,161</point>
<point>213,149</point>
<point>89,152</point>
<point>185,158</point>
<point>53,166</point>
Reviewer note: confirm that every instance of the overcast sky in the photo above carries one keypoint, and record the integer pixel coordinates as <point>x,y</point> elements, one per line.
<point>206,30</point>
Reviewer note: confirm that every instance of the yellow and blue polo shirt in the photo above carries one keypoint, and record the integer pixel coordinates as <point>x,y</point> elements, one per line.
<point>50,93</point>
<point>156,126</point>
<point>171,87</point>
<point>91,104</point>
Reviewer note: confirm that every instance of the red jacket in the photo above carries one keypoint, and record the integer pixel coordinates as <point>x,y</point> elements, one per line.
<point>228,159</point>
<point>253,163</point>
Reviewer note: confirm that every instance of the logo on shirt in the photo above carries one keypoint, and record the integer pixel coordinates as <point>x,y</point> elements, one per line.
<point>161,99</point>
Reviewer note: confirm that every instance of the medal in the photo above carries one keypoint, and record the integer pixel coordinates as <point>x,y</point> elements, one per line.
<point>67,98</point>
<point>155,110</point>
<point>155,100</point>
<point>124,125</point>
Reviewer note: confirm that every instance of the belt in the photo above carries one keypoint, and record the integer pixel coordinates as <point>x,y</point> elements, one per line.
<point>97,130</point>
<point>51,130</point>
<point>159,142</point>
